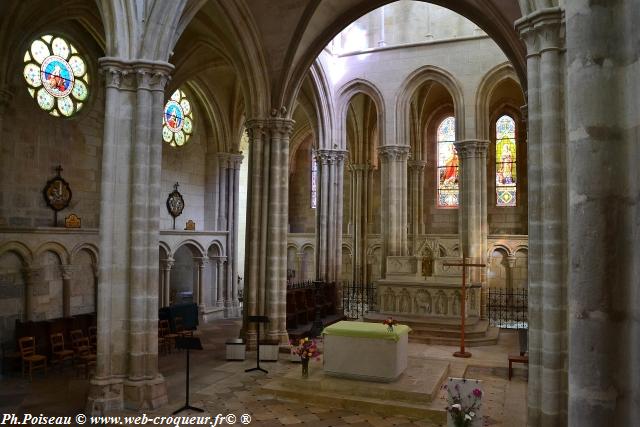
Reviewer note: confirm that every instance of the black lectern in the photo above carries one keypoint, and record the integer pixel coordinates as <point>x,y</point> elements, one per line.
<point>258,320</point>
<point>188,343</point>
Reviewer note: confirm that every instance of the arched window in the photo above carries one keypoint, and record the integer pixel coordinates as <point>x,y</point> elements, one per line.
<point>177,120</point>
<point>56,75</point>
<point>448,172</point>
<point>314,180</point>
<point>506,162</point>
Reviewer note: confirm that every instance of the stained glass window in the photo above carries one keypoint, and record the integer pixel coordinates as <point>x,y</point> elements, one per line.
<point>448,169</point>
<point>506,161</point>
<point>56,75</point>
<point>314,181</point>
<point>177,120</point>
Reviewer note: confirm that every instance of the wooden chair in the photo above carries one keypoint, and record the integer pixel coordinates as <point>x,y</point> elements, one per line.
<point>30,358</point>
<point>93,338</point>
<point>58,351</point>
<point>180,330</point>
<point>163,342</point>
<point>169,337</point>
<point>85,358</point>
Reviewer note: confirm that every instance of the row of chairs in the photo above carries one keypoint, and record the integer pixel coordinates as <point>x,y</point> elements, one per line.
<point>301,304</point>
<point>167,338</point>
<point>82,353</point>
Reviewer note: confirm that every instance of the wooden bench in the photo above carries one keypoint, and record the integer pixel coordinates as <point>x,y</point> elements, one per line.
<point>516,358</point>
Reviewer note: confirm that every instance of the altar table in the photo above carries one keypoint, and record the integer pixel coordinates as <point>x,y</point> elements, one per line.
<point>365,351</point>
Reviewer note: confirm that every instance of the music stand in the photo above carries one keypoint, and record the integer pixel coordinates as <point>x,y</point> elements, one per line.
<point>188,343</point>
<point>258,320</point>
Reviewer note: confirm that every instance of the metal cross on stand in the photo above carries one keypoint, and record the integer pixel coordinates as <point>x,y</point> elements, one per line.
<point>463,309</point>
<point>59,170</point>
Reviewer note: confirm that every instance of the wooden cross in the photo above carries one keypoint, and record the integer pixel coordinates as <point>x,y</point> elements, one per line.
<point>464,265</point>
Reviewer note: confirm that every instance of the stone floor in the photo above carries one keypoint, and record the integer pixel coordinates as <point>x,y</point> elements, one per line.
<point>222,387</point>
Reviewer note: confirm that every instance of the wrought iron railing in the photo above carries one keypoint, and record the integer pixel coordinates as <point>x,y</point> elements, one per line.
<point>300,285</point>
<point>508,308</point>
<point>358,299</point>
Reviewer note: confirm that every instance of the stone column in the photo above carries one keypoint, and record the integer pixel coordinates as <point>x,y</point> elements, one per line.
<point>394,200</point>
<point>127,361</point>
<point>220,286</point>
<point>235,162</point>
<point>66,272</point>
<point>511,265</point>
<point>200,263</point>
<point>416,186</point>
<point>542,32</point>
<point>223,165</point>
<point>337,231</point>
<point>603,128</point>
<point>266,265</point>
<point>360,177</point>
<point>30,276</point>
<point>166,282</point>
<point>329,214</point>
<point>299,260</point>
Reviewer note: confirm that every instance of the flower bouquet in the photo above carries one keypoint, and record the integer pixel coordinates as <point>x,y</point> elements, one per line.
<point>462,413</point>
<point>306,349</point>
<point>390,322</point>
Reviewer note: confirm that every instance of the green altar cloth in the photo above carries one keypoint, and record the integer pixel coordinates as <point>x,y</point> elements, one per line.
<point>366,330</point>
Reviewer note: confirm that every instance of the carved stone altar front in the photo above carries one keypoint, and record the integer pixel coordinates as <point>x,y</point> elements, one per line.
<point>417,286</point>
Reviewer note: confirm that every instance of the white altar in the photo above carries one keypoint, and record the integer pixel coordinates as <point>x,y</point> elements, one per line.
<point>365,351</point>
<point>426,288</point>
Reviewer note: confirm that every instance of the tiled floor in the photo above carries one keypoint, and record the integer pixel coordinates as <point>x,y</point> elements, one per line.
<point>222,387</point>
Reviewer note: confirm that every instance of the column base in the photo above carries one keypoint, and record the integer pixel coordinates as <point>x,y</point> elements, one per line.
<point>105,395</point>
<point>231,309</point>
<point>145,394</point>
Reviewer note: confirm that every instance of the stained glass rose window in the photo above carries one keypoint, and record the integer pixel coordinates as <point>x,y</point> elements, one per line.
<point>177,120</point>
<point>56,75</point>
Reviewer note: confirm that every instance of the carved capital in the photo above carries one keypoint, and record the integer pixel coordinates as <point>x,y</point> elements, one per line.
<point>542,30</point>
<point>417,165</point>
<point>201,261</point>
<point>66,271</point>
<point>168,264</point>
<point>130,75</point>
<point>511,261</point>
<point>394,152</point>
<point>472,148</point>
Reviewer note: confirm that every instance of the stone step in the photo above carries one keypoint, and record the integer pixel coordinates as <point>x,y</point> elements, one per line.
<point>433,412</point>
<point>423,321</point>
<point>490,338</point>
<point>477,330</point>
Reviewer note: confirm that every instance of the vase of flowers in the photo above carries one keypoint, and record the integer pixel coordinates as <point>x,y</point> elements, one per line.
<point>390,322</point>
<point>306,349</point>
<point>463,406</point>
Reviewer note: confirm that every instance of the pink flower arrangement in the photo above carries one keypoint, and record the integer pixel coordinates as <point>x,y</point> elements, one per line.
<point>305,348</point>
<point>462,415</point>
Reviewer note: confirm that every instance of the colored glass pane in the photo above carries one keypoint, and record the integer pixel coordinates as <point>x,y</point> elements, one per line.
<point>506,176</point>
<point>314,181</point>
<point>56,81</point>
<point>448,165</point>
<point>177,120</point>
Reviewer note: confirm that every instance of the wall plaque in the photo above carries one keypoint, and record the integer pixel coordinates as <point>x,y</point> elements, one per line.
<point>57,194</point>
<point>190,225</point>
<point>72,221</point>
<point>175,204</point>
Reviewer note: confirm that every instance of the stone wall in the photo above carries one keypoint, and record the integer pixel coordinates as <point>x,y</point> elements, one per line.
<point>302,218</point>
<point>186,165</point>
